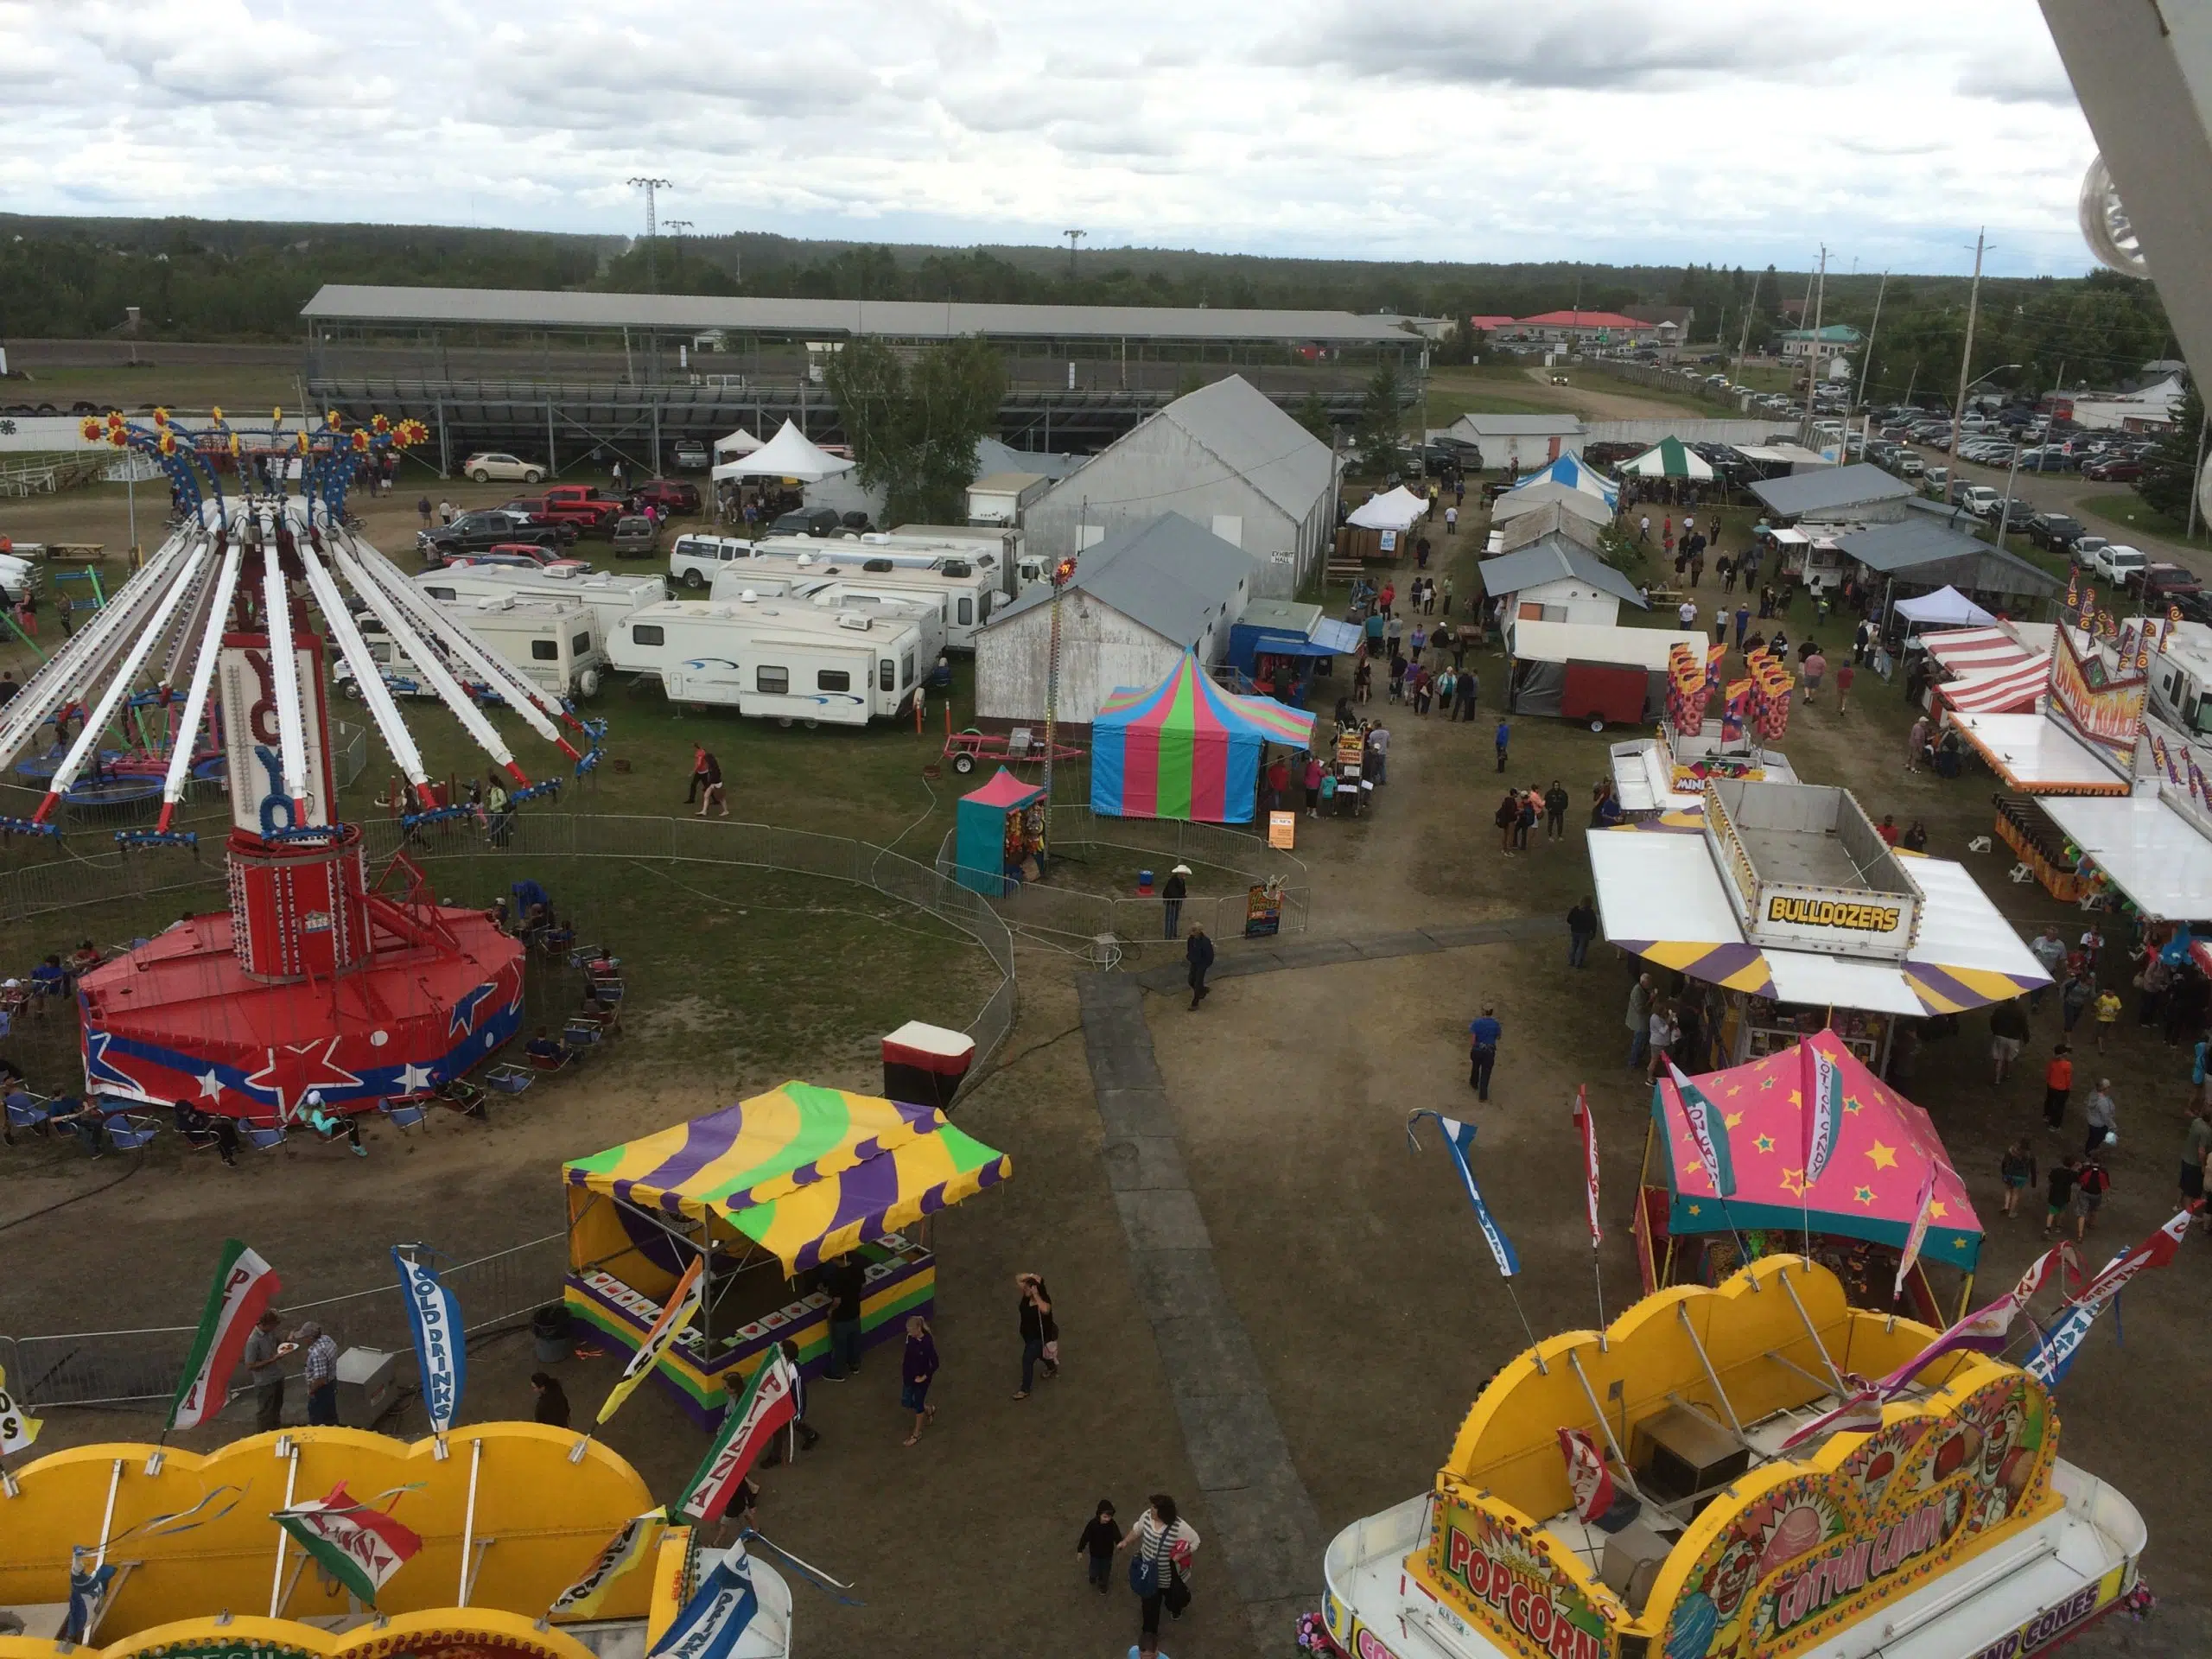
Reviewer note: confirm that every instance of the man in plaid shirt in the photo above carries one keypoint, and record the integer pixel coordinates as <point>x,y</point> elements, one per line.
<point>318,1371</point>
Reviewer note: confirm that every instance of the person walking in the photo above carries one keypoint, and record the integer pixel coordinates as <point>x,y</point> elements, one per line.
<point>266,1367</point>
<point>2048,949</point>
<point>1846,676</point>
<point>2090,1189</point>
<point>1556,801</point>
<point>1482,1034</point>
<point>1447,593</point>
<point>2057,1086</point>
<point>2008,1035</point>
<point>1464,695</point>
<point>1035,1312</point>
<point>1503,737</point>
<point>1197,954</point>
<point>1640,996</point>
<point>552,1407</point>
<point>1815,668</point>
<point>2018,1169</point>
<point>710,778</point>
<point>1160,1568</point>
<point>1525,820</point>
<point>1451,521</point>
<point>423,508</point>
<point>1643,528</point>
<point>846,1281</point>
<point>1662,1037</point>
<point>319,1373</point>
<point>1097,1544</point>
<point>2075,996</point>
<point>1581,928</point>
<point>700,758</point>
<point>2058,1191</point>
<point>1173,892</point>
<point>915,1369</point>
<point>1378,748</point>
<point>2196,1150</point>
<point>1743,624</point>
<point>2103,1114</point>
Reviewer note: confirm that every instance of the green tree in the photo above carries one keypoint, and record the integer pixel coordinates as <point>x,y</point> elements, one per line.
<point>2170,470</point>
<point>1381,425</point>
<point>1313,414</point>
<point>914,420</point>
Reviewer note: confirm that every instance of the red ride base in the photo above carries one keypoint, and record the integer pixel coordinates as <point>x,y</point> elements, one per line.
<point>179,1019</point>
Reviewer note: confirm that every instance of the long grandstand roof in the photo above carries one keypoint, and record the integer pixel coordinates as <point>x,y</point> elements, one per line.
<point>512,307</point>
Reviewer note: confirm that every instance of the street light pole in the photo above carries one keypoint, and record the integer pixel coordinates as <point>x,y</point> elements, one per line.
<point>2004,511</point>
<point>1966,357</point>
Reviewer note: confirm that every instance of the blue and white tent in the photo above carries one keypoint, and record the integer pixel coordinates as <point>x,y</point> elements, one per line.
<point>1579,475</point>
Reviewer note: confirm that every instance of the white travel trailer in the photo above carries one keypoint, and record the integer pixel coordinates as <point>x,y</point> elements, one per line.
<point>2181,680</point>
<point>697,556</point>
<point>557,644</point>
<point>612,595</point>
<point>783,658</point>
<point>964,591</point>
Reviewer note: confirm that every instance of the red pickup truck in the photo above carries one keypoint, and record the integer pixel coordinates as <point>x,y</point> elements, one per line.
<point>572,504</point>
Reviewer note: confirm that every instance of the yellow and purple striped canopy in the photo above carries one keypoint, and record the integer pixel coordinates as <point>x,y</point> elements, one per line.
<point>804,1172</point>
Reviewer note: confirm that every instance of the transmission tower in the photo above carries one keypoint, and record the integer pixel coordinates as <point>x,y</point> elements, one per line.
<point>652,187</point>
<point>1073,237</point>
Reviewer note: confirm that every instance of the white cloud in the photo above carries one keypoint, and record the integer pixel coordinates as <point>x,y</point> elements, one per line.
<point>1600,129</point>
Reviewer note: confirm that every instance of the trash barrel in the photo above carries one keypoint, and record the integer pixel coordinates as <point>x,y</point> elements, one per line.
<point>548,1332</point>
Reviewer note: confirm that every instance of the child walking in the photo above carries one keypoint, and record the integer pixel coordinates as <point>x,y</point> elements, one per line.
<point>2065,1176</point>
<point>1097,1544</point>
<point>2017,1166</point>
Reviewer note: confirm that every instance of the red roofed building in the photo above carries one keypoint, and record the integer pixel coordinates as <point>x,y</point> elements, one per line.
<point>1582,327</point>
<point>1489,324</point>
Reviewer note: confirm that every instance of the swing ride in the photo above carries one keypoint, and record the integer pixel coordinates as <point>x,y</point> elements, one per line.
<point>316,980</point>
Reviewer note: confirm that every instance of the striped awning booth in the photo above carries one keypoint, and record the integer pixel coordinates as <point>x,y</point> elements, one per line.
<point>1969,651</point>
<point>2014,690</point>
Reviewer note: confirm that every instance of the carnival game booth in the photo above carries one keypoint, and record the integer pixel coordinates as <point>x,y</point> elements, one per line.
<point>998,830</point>
<point>761,1193</point>
<point>1667,773</point>
<point>1856,1215</point>
<point>1186,749</point>
<point>1784,897</point>
<point>1942,1524</point>
<point>1280,643</point>
<point>494,1545</point>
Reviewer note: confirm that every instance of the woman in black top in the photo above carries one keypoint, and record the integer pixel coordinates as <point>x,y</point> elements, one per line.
<point>1035,1314</point>
<point>552,1399</point>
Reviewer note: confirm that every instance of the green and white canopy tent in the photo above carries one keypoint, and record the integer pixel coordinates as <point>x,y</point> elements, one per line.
<point>1668,458</point>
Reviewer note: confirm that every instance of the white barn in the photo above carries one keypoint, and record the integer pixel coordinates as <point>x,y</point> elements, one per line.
<point>1138,601</point>
<point>1524,440</point>
<point>1553,580</point>
<point>1224,456</point>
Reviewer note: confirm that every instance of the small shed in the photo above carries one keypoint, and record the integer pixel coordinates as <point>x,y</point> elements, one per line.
<point>1585,671</point>
<point>989,837</point>
<point>1523,440</point>
<point>1554,580</point>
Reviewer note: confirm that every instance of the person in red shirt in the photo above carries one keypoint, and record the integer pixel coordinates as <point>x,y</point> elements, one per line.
<point>1846,674</point>
<point>2057,1085</point>
<point>1887,829</point>
<point>1278,783</point>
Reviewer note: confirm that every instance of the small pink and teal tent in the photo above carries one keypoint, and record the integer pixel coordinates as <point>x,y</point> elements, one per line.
<point>1185,748</point>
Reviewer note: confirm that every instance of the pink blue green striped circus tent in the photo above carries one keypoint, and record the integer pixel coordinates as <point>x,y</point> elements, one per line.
<point>1185,748</point>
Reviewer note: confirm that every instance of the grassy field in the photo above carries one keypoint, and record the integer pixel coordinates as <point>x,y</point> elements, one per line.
<point>179,385</point>
<point>2124,510</point>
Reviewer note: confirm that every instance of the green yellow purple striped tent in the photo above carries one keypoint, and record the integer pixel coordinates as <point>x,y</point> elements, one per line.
<point>805,1172</point>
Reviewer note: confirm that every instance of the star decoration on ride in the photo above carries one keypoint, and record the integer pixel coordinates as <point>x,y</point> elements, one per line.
<point>416,1079</point>
<point>463,1022</point>
<point>100,1068</point>
<point>296,1070</point>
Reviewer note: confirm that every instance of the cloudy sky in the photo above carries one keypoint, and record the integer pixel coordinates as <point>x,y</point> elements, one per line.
<point>1734,130</point>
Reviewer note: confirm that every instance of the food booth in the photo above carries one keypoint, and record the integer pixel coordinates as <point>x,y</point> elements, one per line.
<point>1667,773</point>
<point>1785,898</point>
<point>763,1192</point>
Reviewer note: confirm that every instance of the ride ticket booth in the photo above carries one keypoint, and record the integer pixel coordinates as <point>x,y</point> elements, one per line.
<point>999,831</point>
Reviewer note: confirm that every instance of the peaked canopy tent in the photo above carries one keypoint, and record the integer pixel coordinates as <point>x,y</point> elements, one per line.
<point>1397,509</point>
<point>1576,474</point>
<point>1668,458</point>
<point>1868,1192</point>
<point>740,443</point>
<point>1534,498</point>
<point>991,835</point>
<point>790,454</point>
<point>758,1193</point>
<point>1947,607</point>
<point>1185,748</point>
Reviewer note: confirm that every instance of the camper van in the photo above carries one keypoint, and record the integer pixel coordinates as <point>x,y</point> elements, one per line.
<point>964,592</point>
<point>611,595</point>
<point>556,644</point>
<point>697,558</point>
<point>784,657</point>
<point>2181,681</point>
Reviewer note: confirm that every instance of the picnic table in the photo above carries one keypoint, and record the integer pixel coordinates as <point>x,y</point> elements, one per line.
<point>74,552</point>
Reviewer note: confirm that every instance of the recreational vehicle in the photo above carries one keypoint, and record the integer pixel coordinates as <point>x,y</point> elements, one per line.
<point>782,658</point>
<point>964,592</point>
<point>2181,681</point>
<point>556,644</point>
<point>611,595</point>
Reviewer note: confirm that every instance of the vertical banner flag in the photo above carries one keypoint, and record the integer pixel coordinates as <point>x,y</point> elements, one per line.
<point>1459,1140</point>
<point>718,1613</point>
<point>1822,1085</point>
<point>358,1546</point>
<point>440,1355</point>
<point>244,1286</point>
<point>1589,1133</point>
<point>88,1592</point>
<point>1921,1208</point>
<point>1587,1474</point>
<point>770,1400</point>
<point>18,1428</point>
<point>1987,1328</point>
<point>2155,1251</point>
<point>2053,1356</point>
<point>587,1595</point>
<point>682,1307</point>
<point>1709,1128</point>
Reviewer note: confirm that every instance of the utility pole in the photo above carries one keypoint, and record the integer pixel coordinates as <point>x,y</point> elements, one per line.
<point>1966,357</point>
<point>1867,362</point>
<point>679,228</point>
<point>1812,351</point>
<point>651,187</point>
<point>1744,340</point>
<point>1073,237</point>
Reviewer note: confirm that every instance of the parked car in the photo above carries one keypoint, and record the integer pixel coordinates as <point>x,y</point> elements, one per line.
<point>1911,465</point>
<point>2121,469</point>
<point>1936,481</point>
<point>1977,500</point>
<point>634,537</point>
<point>691,455</point>
<point>521,555</point>
<point>484,530</point>
<point>666,496</point>
<point>2159,580</point>
<point>488,464</point>
<point>808,521</point>
<point>2115,559</point>
<point>576,505</point>
<point>2082,549</point>
<point>2055,530</point>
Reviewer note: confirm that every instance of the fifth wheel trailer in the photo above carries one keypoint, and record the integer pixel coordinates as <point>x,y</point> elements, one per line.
<point>782,658</point>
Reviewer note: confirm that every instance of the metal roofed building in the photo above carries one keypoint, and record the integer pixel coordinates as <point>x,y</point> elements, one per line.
<point>1859,491</point>
<point>1138,601</point>
<point>1224,456</point>
<point>1553,580</point>
<point>1918,556</point>
<point>1526,440</point>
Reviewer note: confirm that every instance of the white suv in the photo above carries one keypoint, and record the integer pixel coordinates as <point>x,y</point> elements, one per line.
<point>2115,560</point>
<point>508,469</point>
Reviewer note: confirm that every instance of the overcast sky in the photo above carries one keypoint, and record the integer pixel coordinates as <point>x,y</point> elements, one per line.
<point>1620,131</point>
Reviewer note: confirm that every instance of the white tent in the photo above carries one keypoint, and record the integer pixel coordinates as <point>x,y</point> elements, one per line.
<point>1397,511</point>
<point>790,454</point>
<point>1581,502</point>
<point>740,443</point>
<point>1947,607</point>
<point>1670,458</point>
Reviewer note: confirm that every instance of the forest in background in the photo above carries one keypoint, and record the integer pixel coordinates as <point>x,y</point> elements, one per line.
<point>229,280</point>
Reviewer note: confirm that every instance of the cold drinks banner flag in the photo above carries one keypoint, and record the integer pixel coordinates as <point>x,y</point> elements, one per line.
<point>1587,1474</point>
<point>1823,1090</point>
<point>18,1428</point>
<point>717,1614</point>
<point>2153,1252</point>
<point>1709,1128</point>
<point>1986,1330</point>
<point>1589,1133</point>
<point>636,1540</point>
<point>358,1546</point>
<point>1922,1210</point>
<point>440,1354</point>
<point>682,1306</point>
<point>244,1286</point>
<point>1459,1140</point>
<point>770,1400</point>
<point>2053,1356</point>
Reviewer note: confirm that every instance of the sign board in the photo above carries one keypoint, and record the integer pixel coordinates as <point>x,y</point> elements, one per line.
<point>1282,830</point>
<point>1854,921</point>
<point>245,677</point>
<point>2103,702</point>
<point>1262,911</point>
<point>1519,1597</point>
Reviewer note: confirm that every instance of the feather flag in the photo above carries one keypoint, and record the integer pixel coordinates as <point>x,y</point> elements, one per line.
<point>1987,1328</point>
<point>18,1428</point>
<point>2073,591</point>
<point>720,1611</point>
<point>1587,1474</point>
<point>1709,1128</point>
<point>1922,1208</point>
<point>1459,1140</point>
<point>682,1307</point>
<point>2056,1349</point>
<point>441,1353</point>
<point>1588,1130</point>
<point>360,1547</point>
<point>770,1400</point>
<point>1859,1413</point>
<point>2155,1251</point>
<point>2161,759</point>
<point>1822,1086</point>
<point>244,1286</point>
<point>639,1538</point>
